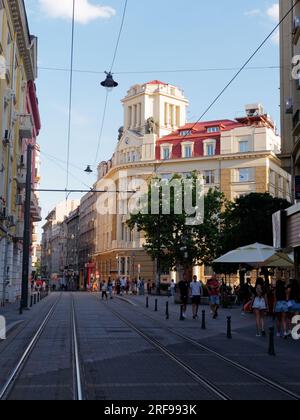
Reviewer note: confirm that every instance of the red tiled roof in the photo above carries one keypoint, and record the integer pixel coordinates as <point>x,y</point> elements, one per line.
<point>200,128</point>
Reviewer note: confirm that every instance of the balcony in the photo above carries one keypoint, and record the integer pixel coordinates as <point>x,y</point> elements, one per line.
<point>35,209</point>
<point>26,127</point>
<point>123,245</point>
<point>20,230</point>
<point>21,178</point>
<point>296,123</point>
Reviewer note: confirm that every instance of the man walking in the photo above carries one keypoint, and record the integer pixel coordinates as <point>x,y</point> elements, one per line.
<point>197,292</point>
<point>104,291</point>
<point>184,288</point>
<point>213,287</point>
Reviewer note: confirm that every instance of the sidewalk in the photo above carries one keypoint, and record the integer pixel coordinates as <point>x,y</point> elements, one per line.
<point>243,325</point>
<point>11,313</point>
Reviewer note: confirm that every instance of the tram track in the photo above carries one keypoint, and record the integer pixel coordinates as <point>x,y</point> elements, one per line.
<point>285,392</point>
<point>6,392</point>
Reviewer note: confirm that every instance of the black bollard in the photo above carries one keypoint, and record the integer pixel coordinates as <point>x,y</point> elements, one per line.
<point>271,342</point>
<point>147,302</point>
<point>181,313</point>
<point>31,301</point>
<point>229,333</point>
<point>156,305</point>
<point>167,311</point>
<point>203,320</point>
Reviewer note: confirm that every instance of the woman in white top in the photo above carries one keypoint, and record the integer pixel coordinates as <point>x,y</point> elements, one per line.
<point>260,307</point>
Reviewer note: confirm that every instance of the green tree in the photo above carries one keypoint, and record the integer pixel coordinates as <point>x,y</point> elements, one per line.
<point>170,240</point>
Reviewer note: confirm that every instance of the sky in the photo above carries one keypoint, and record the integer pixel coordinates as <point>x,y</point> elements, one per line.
<point>158,36</point>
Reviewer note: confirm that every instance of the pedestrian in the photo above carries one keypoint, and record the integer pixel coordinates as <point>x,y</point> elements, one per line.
<point>246,294</point>
<point>104,291</point>
<point>281,308</point>
<point>260,307</point>
<point>173,288</point>
<point>213,287</point>
<point>184,288</point>
<point>197,292</point>
<point>142,287</point>
<point>123,284</point>
<point>110,289</point>
<point>293,296</point>
<point>149,287</point>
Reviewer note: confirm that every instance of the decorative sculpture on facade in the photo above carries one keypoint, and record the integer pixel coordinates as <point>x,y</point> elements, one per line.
<point>121,132</point>
<point>150,126</point>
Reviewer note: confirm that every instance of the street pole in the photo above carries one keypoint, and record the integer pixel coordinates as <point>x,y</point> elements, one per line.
<point>158,268</point>
<point>27,230</point>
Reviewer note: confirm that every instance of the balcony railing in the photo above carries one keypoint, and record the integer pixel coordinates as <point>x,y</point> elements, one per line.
<point>20,230</point>
<point>21,178</point>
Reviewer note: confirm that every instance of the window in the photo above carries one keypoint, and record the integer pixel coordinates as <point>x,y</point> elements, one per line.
<point>209,177</point>
<point>244,175</point>
<point>213,129</point>
<point>185,133</point>
<point>166,153</point>
<point>243,146</point>
<point>188,152</point>
<point>210,150</point>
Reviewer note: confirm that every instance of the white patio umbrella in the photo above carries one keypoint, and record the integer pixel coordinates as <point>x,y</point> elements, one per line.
<point>257,255</point>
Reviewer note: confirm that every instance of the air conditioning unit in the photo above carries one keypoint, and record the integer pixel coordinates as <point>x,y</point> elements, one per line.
<point>6,137</point>
<point>289,106</point>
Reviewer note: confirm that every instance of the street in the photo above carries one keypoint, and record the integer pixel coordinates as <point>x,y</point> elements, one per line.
<point>129,352</point>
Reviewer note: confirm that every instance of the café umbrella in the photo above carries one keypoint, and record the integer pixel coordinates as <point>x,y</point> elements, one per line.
<point>257,255</point>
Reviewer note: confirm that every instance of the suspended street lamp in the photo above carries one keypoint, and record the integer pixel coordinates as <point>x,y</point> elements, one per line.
<point>109,83</point>
<point>88,170</point>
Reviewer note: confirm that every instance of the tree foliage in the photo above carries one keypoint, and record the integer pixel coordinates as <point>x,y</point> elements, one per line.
<point>169,237</point>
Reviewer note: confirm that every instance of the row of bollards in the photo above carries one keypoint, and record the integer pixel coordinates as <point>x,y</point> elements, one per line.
<point>37,297</point>
<point>271,350</point>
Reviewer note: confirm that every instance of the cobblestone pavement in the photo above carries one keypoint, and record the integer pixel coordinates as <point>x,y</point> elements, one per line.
<point>120,362</point>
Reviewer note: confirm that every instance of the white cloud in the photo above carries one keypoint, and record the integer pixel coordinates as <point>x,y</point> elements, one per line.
<point>85,11</point>
<point>273,12</point>
<point>254,12</point>
<point>276,38</point>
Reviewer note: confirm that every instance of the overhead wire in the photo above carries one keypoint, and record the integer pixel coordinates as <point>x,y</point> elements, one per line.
<point>232,80</point>
<point>136,72</point>
<point>107,92</point>
<point>70,93</point>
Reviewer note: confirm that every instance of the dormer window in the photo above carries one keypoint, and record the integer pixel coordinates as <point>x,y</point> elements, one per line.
<point>185,133</point>
<point>213,130</point>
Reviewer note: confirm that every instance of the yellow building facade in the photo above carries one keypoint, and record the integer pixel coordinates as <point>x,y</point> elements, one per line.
<point>18,67</point>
